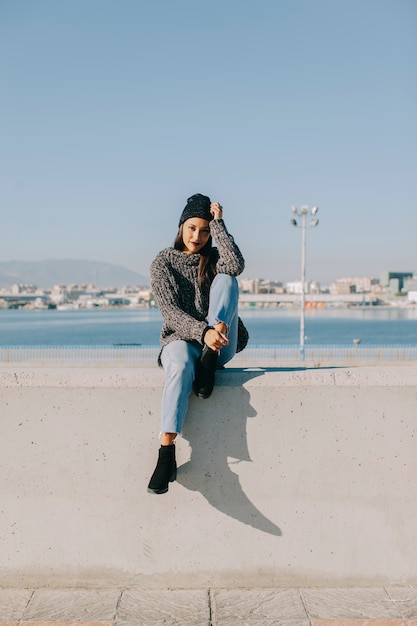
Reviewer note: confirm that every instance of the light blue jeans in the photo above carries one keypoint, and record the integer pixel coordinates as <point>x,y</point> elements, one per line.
<point>179,357</point>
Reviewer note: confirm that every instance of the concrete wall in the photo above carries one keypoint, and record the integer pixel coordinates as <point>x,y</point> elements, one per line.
<point>302,477</point>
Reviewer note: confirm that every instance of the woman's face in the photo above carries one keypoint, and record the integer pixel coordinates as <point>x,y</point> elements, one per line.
<point>195,234</point>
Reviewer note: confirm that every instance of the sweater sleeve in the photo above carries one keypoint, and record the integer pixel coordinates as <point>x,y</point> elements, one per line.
<point>230,259</point>
<point>175,318</point>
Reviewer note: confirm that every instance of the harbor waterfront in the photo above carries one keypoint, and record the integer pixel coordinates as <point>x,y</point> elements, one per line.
<point>341,326</point>
<point>131,337</point>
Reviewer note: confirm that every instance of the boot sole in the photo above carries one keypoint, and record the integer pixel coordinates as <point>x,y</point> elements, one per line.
<point>203,396</point>
<point>161,491</point>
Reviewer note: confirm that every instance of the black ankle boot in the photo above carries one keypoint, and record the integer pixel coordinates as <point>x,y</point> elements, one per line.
<point>165,471</point>
<point>205,373</point>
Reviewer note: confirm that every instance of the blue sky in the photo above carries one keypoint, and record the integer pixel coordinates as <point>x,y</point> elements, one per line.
<point>113,112</point>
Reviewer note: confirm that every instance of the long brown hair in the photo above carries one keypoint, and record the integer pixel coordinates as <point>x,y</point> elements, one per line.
<point>206,272</point>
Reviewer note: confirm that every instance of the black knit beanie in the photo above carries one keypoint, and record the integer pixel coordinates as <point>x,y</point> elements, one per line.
<point>197,206</point>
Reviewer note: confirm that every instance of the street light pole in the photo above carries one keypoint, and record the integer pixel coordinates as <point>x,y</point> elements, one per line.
<point>303,284</point>
<point>304,212</point>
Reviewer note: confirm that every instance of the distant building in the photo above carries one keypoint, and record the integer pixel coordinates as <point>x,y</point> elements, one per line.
<point>362,284</point>
<point>296,286</point>
<point>17,289</point>
<point>344,286</point>
<point>75,292</point>
<point>293,286</point>
<point>387,277</point>
<point>249,285</point>
<point>315,287</point>
<point>410,284</point>
<point>270,286</point>
<point>59,294</point>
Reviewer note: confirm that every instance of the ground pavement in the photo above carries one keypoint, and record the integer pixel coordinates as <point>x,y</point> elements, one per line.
<point>377,606</point>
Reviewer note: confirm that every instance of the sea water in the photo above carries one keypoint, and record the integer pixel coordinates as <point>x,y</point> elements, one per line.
<point>369,325</point>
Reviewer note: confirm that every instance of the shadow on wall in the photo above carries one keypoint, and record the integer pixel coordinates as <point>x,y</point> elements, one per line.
<point>213,439</point>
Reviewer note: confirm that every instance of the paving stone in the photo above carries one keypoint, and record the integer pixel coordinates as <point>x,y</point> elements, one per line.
<point>146,621</point>
<point>72,605</point>
<point>393,606</point>
<point>12,603</point>
<point>358,622</point>
<point>65,623</point>
<point>349,604</point>
<point>173,607</point>
<point>405,599</point>
<point>277,621</point>
<point>260,606</point>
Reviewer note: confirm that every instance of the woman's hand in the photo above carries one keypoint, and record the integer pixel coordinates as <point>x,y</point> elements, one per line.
<point>216,210</point>
<point>215,339</point>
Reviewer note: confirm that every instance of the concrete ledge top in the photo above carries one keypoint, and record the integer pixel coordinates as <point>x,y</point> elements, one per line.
<point>377,376</point>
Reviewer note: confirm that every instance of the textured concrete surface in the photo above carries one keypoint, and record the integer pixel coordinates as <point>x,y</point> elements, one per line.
<point>391,606</point>
<point>286,479</point>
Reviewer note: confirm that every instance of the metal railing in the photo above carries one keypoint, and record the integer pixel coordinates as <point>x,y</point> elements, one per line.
<point>252,356</point>
<point>324,355</point>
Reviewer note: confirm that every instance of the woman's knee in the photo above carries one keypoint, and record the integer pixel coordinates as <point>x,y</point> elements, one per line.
<point>178,360</point>
<point>226,281</point>
<point>225,288</point>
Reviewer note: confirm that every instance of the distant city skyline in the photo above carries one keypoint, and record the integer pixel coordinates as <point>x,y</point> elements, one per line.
<point>48,273</point>
<point>395,290</point>
<point>247,274</point>
<point>112,114</point>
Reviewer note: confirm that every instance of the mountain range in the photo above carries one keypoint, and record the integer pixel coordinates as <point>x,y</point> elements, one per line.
<point>46,274</point>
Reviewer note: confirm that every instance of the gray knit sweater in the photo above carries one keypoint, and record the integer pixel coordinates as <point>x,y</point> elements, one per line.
<point>174,281</point>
